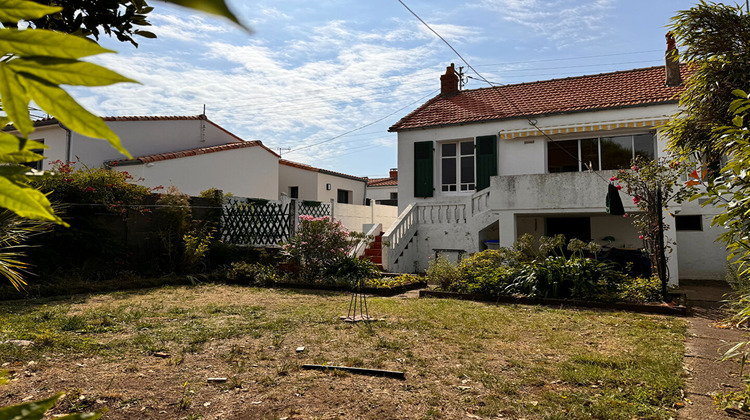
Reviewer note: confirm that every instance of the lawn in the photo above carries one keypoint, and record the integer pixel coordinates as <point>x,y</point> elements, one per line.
<point>149,354</point>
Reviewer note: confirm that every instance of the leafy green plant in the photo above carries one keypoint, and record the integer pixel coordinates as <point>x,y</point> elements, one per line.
<point>352,270</point>
<point>35,410</point>
<point>252,274</point>
<point>15,231</point>
<point>442,272</point>
<point>319,245</point>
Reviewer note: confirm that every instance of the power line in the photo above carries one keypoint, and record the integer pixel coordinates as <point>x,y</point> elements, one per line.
<point>363,126</point>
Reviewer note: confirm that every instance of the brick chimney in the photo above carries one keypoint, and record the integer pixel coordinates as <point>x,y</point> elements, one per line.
<point>449,82</point>
<point>393,174</point>
<point>672,65</point>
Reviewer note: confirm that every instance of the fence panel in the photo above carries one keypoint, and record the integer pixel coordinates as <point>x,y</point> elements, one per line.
<point>254,222</point>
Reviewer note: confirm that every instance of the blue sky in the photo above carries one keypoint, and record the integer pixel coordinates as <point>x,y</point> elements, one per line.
<point>309,75</point>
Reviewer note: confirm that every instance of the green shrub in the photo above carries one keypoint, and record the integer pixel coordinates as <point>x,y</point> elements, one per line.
<point>442,272</point>
<point>252,274</point>
<point>351,270</point>
<point>640,290</point>
<point>392,282</point>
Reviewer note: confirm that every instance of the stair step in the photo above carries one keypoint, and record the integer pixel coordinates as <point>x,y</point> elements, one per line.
<point>377,259</point>
<point>373,252</point>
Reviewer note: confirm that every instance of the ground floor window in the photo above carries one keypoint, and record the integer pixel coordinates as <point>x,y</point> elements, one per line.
<point>600,153</point>
<point>343,196</point>
<point>457,166</point>
<point>293,192</point>
<point>36,165</point>
<point>688,222</point>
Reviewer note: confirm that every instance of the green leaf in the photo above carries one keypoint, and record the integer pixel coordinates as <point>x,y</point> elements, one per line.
<point>15,100</point>
<point>57,102</point>
<point>10,143</point>
<point>216,7</point>
<point>21,156</point>
<point>34,42</point>
<point>740,93</point>
<point>15,10</point>
<point>82,416</point>
<point>737,120</point>
<point>33,410</point>
<point>145,34</point>
<point>26,202</point>
<point>64,71</point>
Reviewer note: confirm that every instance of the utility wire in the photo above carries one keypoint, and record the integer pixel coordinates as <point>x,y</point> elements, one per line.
<point>531,122</point>
<point>363,126</point>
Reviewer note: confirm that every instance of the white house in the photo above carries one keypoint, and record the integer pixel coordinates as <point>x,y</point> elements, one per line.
<point>306,182</point>
<point>384,190</point>
<point>475,167</point>
<point>243,168</point>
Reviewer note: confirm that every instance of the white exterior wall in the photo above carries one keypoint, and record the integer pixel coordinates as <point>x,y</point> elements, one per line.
<point>54,138</point>
<point>250,172</point>
<point>381,193</point>
<point>356,188</point>
<point>524,191</point>
<point>355,216</point>
<point>306,181</point>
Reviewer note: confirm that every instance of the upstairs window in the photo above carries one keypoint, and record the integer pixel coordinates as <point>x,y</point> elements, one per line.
<point>457,166</point>
<point>615,152</point>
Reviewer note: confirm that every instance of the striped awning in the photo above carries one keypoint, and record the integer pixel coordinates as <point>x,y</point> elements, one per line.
<point>583,127</point>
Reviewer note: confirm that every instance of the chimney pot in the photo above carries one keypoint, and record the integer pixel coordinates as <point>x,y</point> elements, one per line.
<point>449,81</point>
<point>393,173</point>
<point>672,62</point>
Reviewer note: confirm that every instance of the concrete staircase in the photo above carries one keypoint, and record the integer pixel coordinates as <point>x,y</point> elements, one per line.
<point>374,252</point>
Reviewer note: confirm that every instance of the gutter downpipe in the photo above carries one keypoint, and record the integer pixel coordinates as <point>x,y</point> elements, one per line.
<point>68,141</point>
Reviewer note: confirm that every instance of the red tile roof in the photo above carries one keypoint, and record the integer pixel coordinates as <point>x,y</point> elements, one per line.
<point>382,182</point>
<point>573,94</point>
<point>323,171</point>
<point>191,152</point>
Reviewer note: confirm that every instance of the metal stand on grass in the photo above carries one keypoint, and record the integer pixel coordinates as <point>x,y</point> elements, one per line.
<point>358,299</point>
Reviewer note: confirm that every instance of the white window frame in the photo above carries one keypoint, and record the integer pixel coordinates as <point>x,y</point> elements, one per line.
<point>460,187</point>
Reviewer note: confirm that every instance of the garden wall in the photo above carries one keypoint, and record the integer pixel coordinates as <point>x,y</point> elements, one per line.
<point>354,216</point>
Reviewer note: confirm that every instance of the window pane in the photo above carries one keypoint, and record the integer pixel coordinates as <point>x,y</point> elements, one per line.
<point>449,171</point>
<point>449,149</point>
<point>617,152</point>
<point>590,153</point>
<point>467,148</point>
<point>562,156</point>
<point>467,169</point>
<point>644,146</point>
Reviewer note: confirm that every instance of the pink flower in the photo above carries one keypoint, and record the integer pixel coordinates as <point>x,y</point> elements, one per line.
<point>635,168</point>
<point>636,199</point>
<point>625,215</point>
<point>619,187</point>
<point>613,179</point>
<point>640,237</point>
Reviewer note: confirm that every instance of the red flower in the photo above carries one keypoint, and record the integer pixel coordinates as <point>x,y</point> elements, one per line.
<point>619,187</point>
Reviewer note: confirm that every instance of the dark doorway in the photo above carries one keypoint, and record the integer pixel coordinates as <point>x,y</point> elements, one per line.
<point>571,227</point>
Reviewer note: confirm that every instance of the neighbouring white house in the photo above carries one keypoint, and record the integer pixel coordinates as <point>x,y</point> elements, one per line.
<point>190,152</point>
<point>306,182</point>
<point>475,169</point>
<point>384,190</point>
<point>243,168</point>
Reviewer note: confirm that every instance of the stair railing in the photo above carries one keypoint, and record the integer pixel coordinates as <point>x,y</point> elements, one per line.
<point>398,235</point>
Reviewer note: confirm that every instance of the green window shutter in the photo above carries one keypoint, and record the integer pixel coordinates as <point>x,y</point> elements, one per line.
<point>423,179</point>
<point>486,160</point>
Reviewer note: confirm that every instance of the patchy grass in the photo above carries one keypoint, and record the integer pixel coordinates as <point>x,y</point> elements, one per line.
<point>459,357</point>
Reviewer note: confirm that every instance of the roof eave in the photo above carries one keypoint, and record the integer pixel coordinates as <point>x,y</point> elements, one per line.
<point>528,116</point>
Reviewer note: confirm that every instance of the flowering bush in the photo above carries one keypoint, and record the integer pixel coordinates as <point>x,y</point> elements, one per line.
<point>318,244</point>
<point>642,182</point>
<point>110,190</point>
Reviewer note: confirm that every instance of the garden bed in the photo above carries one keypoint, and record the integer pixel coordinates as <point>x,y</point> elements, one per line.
<point>378,291</point>
<point>653,308</point>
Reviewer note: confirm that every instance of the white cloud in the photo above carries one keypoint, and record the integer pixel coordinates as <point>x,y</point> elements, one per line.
<point>314,88</point>
<point>184,27</point>
<point>565,22</point>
